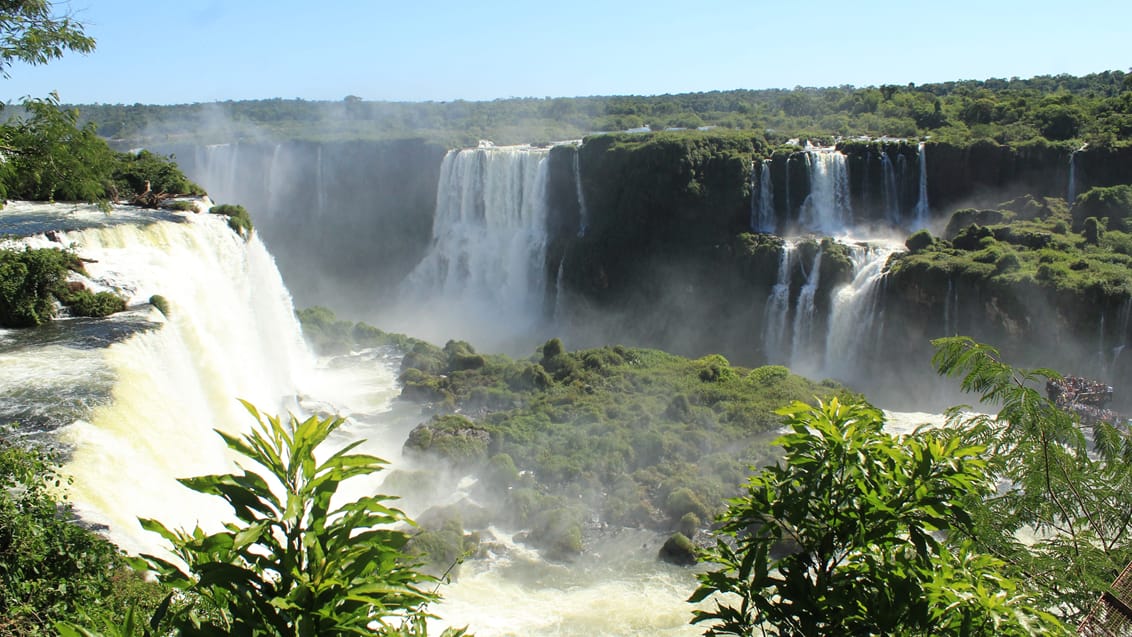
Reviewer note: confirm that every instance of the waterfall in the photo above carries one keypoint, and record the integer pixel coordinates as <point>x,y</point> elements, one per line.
<point>319,184</point>
<point>777,313</point>
<point>762,198</point>
<point>854,319</point>
<point>922,208</point>
<point>891,190</point>
<point>1071,191</point>
<point>583,212</point>
<point>804,353</point>
<point>487,257</point>
<point>559,292</point>
<point>789,208</point>
<point>1122,325</point>
<point>231,333</point>
<point>217,168</point>
<point>951,310</point>
<point>827,209</point>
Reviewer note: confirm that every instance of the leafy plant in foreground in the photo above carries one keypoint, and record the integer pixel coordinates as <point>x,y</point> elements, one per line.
<point>841,538</point>
<point>1075,501</point>
<point>295,563</point>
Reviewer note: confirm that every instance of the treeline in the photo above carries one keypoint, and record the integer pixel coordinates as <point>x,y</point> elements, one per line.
<point>48,155</point>
<point>1095,108</point>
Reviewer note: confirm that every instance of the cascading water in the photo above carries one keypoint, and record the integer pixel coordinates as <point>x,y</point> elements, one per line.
<point>855,321</point>
<point>230,333</point>
<point>488,252</point>
<point>891,190</point>
<point>762,199</point>
<point>951,310</point>
<point>1071,189</point>
<point>583,211</point>
<point>827,209</point>
<point>1122,326</point>
<point>804,351</point>
<point>922,208</point>
<point>776,316</point>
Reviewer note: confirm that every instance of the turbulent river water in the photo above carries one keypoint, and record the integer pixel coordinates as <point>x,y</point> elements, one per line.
<point>133,400</point>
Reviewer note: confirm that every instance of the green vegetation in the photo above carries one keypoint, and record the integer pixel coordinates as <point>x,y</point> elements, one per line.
<point>1073,495</point>
<point>330,335</point>
<point>643,438</point>
<point>32,280</point>
<point>52,158</point>
<point>1096,108</point>
<point>52,569</point>
<point>840,538</point>
<point>161,303</point>
<point>32,32</point>
<point>1029,246</point>
<point>295,563</point>
<point>238,219</point>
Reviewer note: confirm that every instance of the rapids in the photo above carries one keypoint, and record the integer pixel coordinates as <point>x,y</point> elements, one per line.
<point>134,399</point>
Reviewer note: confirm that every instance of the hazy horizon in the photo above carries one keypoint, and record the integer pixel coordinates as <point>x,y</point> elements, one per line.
<point>207,51</point>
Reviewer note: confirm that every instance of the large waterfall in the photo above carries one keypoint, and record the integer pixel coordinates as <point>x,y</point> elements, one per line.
<point>776,315</point>
<point>762,198</point>
<point>827,209</point>
<point>162,384</point>
<point>230,333</point>
<point>923,209</point>
<point>855,318</point>
<point>484,276</point>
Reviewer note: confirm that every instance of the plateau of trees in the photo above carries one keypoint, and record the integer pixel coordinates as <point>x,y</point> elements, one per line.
<point>1094,108</point>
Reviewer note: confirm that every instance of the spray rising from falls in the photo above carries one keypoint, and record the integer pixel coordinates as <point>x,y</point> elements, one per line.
<point>488,252</point>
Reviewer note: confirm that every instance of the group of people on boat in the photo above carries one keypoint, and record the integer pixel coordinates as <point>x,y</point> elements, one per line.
<point>1086,397</point>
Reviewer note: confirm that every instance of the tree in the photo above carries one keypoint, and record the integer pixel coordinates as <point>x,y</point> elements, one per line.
<point>1073,499</point>
<point>841,538</point>
<point>51,568</point>
<point>296,562</point>
<point>32,31</point>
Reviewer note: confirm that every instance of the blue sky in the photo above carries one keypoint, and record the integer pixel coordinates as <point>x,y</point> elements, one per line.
<point>178,51</point>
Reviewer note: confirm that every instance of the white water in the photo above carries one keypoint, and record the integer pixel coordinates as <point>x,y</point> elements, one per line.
<point>922,207</point>
<point>762,199</point>
<point>827,209</point>
<point>854,319</point>
<point>230,333</point>
<point>804,352</point>
<point>1071,190</point>
<point>777,312</point>
<point>583,211</point>
<point>484,276</point>
<point>891,190</point>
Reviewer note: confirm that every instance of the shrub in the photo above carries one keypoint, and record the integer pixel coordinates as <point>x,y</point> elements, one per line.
<point>293,563</point>
<point>238,219</point>
<point>29,281</point>
<point>1093,231</point>
<point>51,568</point>
<point>161,303</point>
<point>919,241</point>
<point>93,304</point>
